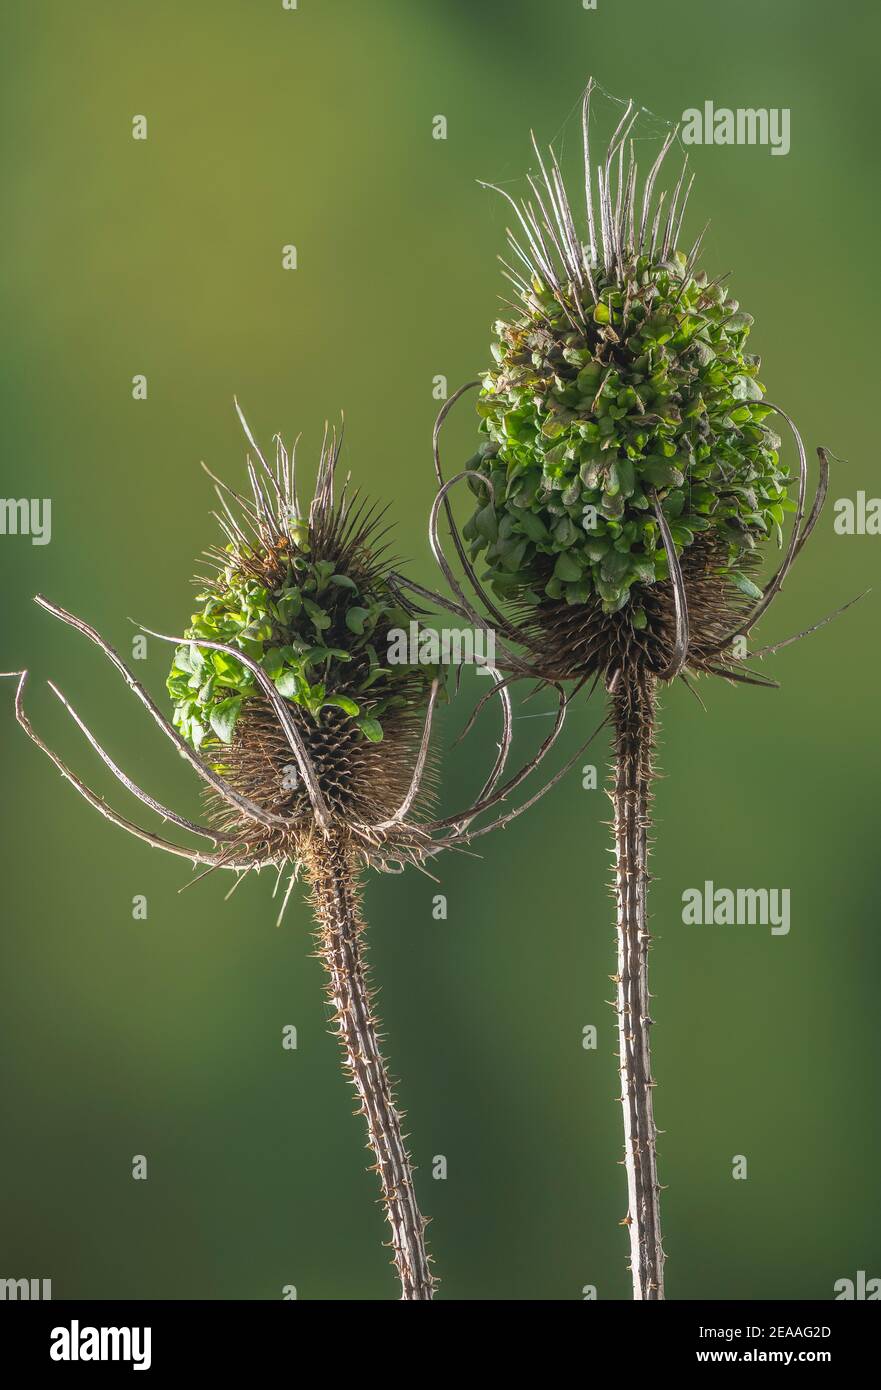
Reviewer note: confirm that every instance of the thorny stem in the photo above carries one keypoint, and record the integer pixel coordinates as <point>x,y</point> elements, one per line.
<point>633,703</point>
<point>332,874</point>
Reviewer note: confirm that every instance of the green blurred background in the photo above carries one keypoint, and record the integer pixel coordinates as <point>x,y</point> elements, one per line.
<point>163,1037</point>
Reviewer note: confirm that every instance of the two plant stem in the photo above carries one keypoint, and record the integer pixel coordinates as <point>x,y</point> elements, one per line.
<point>333,877</point>
<point>633,711</point>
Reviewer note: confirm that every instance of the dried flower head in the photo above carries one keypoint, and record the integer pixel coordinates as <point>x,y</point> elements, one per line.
<point>283,682</point>
<point>630,476</point>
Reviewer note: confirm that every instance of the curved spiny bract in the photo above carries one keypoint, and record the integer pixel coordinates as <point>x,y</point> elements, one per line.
<point>624,493</point>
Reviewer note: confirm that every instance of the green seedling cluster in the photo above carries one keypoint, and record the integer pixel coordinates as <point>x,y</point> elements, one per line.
<point>316,634</point>
<point>650,392</point>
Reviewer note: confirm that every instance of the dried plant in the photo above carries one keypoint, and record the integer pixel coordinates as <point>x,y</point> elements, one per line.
<point>628,482</point>
<point>315,751</point>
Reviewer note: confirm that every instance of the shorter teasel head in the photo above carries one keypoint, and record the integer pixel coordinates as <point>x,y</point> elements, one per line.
<point>292,703</point>
<point>629,452</point>
<point>290,647</point>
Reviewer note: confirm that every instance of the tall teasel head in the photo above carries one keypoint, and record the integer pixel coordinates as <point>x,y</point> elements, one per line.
<point>630,476</point>
<point>627,484</point>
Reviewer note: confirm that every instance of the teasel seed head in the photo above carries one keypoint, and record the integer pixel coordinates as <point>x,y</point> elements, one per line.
<point>288,704</point>
<point>631,478</point>
<point>308,597</point>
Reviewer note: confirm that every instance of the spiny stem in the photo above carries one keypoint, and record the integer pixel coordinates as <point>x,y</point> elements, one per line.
<point>333,876</point>
<point>633,702</point>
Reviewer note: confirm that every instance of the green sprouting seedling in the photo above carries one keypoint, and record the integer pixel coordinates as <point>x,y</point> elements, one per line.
<point>314,743</point>
<point>625,491</point>
<point>650,394</point>
<point>313,632</point>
